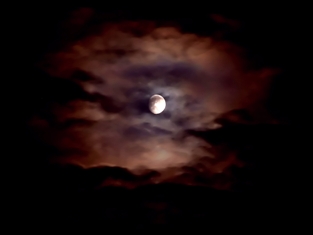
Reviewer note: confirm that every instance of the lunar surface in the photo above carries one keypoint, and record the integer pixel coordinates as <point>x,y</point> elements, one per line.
<point>157,104</point>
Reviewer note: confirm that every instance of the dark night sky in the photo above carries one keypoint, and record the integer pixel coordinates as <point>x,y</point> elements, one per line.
<point>229,146</point>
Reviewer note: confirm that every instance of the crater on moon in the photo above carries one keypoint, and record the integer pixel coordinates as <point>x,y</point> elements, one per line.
<point>157,104</point>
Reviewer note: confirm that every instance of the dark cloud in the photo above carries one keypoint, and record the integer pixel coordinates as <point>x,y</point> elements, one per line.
<point>235,116</point>
<point>75,122</point>
<point>59,177</point>
<point>59,90</point>
<point>82,76</point>
<point>159,204</point>
<point>108,104</point>
<point>254,156</point>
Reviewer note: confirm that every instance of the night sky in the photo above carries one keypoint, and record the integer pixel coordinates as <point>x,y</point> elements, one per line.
<point>228,147</point>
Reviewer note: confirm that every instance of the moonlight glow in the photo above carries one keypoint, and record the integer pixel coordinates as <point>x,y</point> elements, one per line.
<point>157,104</point>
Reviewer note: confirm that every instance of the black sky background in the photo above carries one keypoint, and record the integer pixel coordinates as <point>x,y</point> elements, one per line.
<point>46,195</point>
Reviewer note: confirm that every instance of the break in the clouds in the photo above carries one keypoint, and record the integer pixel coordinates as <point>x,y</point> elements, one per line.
<point>117,67</point>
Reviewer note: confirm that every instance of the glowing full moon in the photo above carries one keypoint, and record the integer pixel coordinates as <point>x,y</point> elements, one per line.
<point>157,104</point>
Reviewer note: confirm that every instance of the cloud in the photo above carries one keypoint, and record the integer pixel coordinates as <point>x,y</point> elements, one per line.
<point>109,73</point>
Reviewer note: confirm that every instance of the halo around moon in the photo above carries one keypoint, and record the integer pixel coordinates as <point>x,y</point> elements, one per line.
<point>157,104</point>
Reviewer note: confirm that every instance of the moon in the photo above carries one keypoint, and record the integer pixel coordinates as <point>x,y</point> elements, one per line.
<point>157,104</point>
